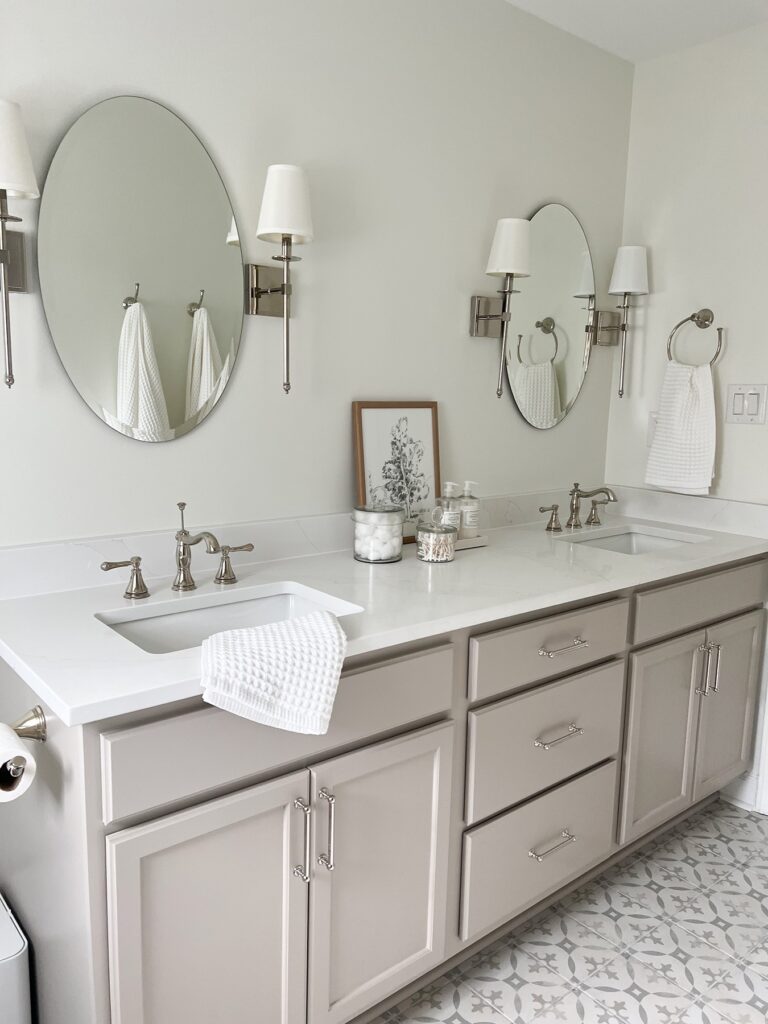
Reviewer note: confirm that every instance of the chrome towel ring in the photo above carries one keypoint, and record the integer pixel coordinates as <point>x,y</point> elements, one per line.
<point>703,318</point>
<point>546,326</point>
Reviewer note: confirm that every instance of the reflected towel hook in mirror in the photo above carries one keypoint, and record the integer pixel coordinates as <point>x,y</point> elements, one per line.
<point>192,307</point>
<point>546,326</point>
<point>129,300</point>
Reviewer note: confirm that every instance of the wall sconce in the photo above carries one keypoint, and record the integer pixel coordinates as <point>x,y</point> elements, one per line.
<point>510,257</point>
<point>17,178</point>
<point>286,220</point>
<point>629,277</point>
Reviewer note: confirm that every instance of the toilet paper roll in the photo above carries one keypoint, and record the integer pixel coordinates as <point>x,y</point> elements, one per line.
<point>17,765</point>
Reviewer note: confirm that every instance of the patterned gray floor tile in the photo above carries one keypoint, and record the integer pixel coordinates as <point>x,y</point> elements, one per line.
<point>551,1002</point>
<point>676,934</point>
<point>442,1003</point>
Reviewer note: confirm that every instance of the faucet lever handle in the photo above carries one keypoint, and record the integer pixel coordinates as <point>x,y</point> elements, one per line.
<point>225,573</point>
<point>136,588</point>
<point>181,505</point>
<point>553,526</point>
<point>593,519</point>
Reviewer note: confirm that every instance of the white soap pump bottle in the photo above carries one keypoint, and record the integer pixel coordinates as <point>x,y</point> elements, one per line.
<point>470,512</point>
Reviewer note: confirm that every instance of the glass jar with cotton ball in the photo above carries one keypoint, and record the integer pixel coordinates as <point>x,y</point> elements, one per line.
<point>378,533</point>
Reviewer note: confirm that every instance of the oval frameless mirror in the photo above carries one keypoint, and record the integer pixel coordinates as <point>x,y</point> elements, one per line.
<point>549,346</point>
<point>140,269</point>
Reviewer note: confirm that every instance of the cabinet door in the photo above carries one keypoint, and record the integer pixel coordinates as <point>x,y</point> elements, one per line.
<point>726,719</point>
<point>377,919</point>
<point>657,780</point>
<point>207,921</point>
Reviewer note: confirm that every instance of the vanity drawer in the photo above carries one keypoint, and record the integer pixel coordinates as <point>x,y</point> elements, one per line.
<point>508,757</point>
<point>507,659</point>
<point>147,767</point>
<point>500,878</point>
<point>681,606</point>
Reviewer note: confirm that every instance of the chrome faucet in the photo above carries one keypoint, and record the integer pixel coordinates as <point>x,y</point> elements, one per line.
<point>576,494</point>
<point>184,543</point>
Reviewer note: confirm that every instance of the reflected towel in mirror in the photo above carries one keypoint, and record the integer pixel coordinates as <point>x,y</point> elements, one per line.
<point>204,365</point>
<point>537,393</point>
<point>140,399</point>
<point>682,455</point>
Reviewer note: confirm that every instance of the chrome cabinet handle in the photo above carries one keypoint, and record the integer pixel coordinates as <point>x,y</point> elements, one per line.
<point>706,650</point>
<point>567,839</point>
<point>302,870</point>
<point>327,859</point>
<point>717,649</point>
<point>575,645</point>
<point>573,730</point>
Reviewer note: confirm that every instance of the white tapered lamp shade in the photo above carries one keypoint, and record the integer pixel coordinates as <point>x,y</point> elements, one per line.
<point>585,288</point>
<point>511,248</point>
<point>285,209</point>
<point>17,176</point>
<point>232,236</point>
<point>630,271</point>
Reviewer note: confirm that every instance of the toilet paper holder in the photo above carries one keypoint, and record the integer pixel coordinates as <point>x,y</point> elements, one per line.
<point>32,725</point>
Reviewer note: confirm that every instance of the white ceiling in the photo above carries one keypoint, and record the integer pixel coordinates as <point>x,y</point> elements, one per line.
<point>639,29</point>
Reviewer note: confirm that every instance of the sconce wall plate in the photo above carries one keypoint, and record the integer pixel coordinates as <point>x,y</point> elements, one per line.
<point>485,316</point>
<point>17,261</point>
<point>263,290</point>
<point>608,323</point>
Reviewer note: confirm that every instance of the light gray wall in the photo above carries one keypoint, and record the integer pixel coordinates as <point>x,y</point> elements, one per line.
<point>420,122</point>
<point>696,197</point>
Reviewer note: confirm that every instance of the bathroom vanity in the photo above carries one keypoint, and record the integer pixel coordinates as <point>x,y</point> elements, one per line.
<point>504,725</point>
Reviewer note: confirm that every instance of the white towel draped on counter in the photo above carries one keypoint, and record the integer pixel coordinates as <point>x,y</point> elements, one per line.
<point>204,364</point>
<point>537,393</point>
<point>141,404</point>
<point>682,455</point>
<point>283,674</point>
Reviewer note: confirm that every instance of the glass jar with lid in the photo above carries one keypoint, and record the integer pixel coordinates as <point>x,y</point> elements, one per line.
<point>436,541</point>
<point>378,533</point>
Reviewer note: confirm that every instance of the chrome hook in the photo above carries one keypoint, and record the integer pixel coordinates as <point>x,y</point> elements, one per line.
<point>130,301</point>
<point>193,307</point>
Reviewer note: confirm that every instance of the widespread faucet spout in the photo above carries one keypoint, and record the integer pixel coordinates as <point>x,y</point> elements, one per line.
<point>576,494</point>
<point>184,544</point>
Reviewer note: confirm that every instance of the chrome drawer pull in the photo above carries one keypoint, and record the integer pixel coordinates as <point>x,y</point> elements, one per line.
<point>302,870</point>
<point>573,730</point>
<point>327,859</point>
<point>575,645</point>
<point>716,685</point>
<point>567,839</point>
<point>703,688</point>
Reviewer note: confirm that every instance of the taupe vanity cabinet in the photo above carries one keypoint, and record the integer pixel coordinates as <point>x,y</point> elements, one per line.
<point>691,708</point>
<point>239,873</point>
<point>206,919</point>
<point>211,910</point>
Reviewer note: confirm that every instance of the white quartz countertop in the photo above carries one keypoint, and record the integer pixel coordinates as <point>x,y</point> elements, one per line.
<point>84,671</point>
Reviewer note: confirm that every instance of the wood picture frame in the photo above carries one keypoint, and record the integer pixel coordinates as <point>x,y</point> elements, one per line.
<point>397,456</point>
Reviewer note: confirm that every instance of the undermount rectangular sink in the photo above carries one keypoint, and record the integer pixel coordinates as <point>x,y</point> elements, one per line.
<point>183,623</point>
<point>636,540</point>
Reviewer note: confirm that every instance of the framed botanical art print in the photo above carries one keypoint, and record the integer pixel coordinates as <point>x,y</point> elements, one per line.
<point>397,456</point>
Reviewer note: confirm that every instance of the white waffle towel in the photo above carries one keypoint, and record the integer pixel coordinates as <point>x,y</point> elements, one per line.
<point>141,404</point>
<point>204,364</point>
<point>284,674</point>
<point>682,455</point>
<point>537,393</point>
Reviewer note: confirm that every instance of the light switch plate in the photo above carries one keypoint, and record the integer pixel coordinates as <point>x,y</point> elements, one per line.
<point>746,403</point>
